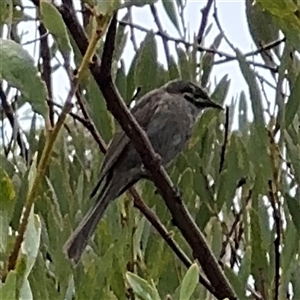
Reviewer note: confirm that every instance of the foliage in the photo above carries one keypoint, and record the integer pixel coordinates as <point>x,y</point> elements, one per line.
<point>240,183</point>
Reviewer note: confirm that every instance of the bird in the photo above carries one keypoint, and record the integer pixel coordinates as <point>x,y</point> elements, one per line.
<point>167,115</point>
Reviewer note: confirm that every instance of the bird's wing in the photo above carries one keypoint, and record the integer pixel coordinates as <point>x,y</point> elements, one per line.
<point>143,112</point>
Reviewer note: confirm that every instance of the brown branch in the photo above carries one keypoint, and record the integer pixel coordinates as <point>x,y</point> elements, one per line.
<point>14,125</point>
<point>227,57</point>
<point>164,35</point>
<point>234,226</point>
<point>205,13</point>
<point>132,35</point>
<point>46,68</point>
<point>141,142</point>
<point>261,49</point>
<point>160,29</point>
<point>277,221</point>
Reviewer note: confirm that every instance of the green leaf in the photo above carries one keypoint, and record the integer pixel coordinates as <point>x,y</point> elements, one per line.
<point>184,66</point>
<point>236,283</point>
<point>31,241</point>
<point>232,172</point>
<point>173,69</point>
<point>146,69</point>
<point>170,9</point>
<point>7,203</point>
<point>121,81</point>
<point>189,282</point>
<point>207,60</point>
<point>245,269</point>
<point>6,11</point>
<point>296,282</point>
<point>293,151</point>
<point>254,91</point>
<point>121,39</point>
<point>259,263</point>
<point>221,91</point>
<point>216,236</point>
<point>262,28</point>
<point>53,21</point>
<point>17,68</point>
<point>294,208</point>
<point>243,113</point>
<point>98,110</point>
<point>285,14</point>
<point>138,3</point>
<point>7,166</point>
<point>293,103</point>
<point>25,291</point>
<point>9,288</point>
<point>32,171</point>
<point>106,7</point>
<point>287,258</point>
<point>131,84</point>
<point>141,287</point>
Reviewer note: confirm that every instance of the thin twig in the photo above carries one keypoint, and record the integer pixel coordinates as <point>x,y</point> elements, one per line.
<point>132,34</point>
<point>227,57</point>
<point>176,40</point>
<point>234,226</point>
<point>14,125</point>
<point>205,13</point>
<point>160,29</point>
<point>226,132</point>
<point>46,67</point>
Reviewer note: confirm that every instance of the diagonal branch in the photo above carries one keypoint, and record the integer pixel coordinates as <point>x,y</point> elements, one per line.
<point>162,181</point>
<point>187,226</point>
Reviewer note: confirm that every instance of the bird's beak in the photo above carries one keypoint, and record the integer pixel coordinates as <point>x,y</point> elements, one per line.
<point>209,103</point>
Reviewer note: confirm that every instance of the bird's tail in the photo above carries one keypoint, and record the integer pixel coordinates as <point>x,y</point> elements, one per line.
<point>78,240</point>
<point>116,186</point>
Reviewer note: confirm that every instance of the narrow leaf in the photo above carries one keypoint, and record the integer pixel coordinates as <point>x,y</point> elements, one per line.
<point>146,69</point>
<point>141,287</point>
<point>189,282</point>
<point>17,68</point>
<point>294,208</point>
<point>53,21</point>
<point>7,196</point>
<point>293,103</point>
<point>9,288</point>
<point>170,9</point>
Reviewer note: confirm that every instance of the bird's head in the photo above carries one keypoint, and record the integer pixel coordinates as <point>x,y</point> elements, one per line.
<point>192,93</point>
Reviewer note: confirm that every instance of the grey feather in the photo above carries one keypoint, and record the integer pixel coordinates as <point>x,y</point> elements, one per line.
<point>168,115</point>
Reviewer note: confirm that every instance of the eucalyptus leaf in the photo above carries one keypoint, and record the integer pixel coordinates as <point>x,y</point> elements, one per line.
<point>18,69</point>
<point>293,104</point>
<point>147,66</point>
<point>170,9</point>
<point>53,21</point>
<point>138,3</point>
<point>189,282</point>
<point>141,287</point>
<point>8,290</point>
<point>7,202</point>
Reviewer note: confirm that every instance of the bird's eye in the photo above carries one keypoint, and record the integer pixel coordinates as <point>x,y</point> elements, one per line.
<point>188,89</point>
